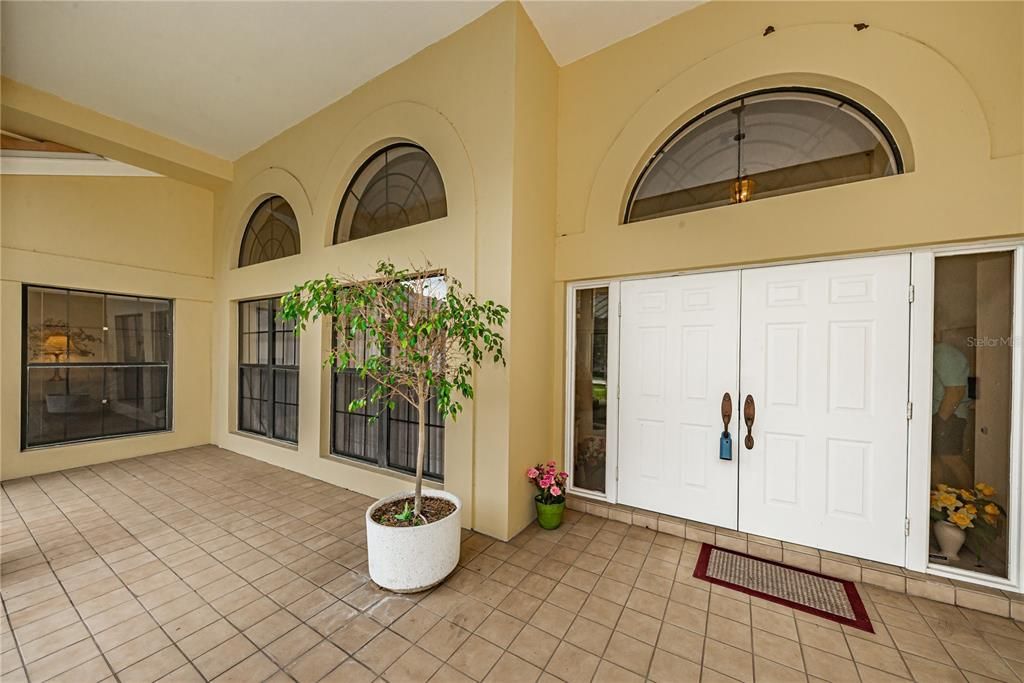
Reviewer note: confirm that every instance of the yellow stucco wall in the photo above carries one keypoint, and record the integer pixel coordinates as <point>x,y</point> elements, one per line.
<point>946,78</point>
<point>537,163</point>
<point>456,99</point>
<point>532,416</point>
<point>133,235</point>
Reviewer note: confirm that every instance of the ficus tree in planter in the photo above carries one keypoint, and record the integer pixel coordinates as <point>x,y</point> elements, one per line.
<point>414,333</point>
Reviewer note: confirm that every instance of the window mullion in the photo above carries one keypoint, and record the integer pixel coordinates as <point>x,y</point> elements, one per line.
<point>272,389</point>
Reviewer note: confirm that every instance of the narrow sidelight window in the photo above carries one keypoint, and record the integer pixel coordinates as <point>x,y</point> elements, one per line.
<point>268,372</point>
<point>96,365</point>
<point>972,391</point>
<point>590,390</point>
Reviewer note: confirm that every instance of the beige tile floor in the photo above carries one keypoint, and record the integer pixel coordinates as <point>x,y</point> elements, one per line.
<point>206,565</point>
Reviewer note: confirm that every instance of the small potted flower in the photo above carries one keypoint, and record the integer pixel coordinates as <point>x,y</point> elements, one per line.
<point>550,483</point>
<point>954,513</point>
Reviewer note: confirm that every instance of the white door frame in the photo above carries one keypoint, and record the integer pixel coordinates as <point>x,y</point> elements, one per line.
<point>919,456</point>
<point>919,436</point>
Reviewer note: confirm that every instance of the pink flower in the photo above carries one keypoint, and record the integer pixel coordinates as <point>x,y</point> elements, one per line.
<point>546,482</point>
<point>551,463</point>
<point>532,473</point>
<point>555,491</point>
<point>563,475</point>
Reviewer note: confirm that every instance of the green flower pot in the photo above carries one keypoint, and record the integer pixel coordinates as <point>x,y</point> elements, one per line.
<point>549,515</point>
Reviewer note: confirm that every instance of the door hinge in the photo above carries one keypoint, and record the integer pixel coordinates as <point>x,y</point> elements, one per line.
<point>906,526</point>
<point>910,294</point>
<point>910,410</point>
<point>620,308</point>
<point>618,390</point>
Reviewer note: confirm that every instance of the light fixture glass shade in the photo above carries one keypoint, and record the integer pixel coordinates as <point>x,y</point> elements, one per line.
<point>56,344</point>
<point>742,190</point>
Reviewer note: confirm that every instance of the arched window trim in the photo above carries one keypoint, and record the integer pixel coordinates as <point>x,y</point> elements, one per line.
<point>680,132</point>
<point>249,227</point>
<point>373,156</point>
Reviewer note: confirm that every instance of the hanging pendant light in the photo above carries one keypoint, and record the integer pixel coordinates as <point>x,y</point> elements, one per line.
<point>743,186</point>
<point>742,189</point>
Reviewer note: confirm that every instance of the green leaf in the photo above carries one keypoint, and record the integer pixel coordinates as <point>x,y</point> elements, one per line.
<point>405,515</point>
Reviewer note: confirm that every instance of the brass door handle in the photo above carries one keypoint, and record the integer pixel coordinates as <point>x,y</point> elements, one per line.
<point>748,419</point>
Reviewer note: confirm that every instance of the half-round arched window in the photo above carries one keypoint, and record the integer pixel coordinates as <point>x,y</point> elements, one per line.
<point>763,144</point>
<point>397,187</point>
<point>272,233</point>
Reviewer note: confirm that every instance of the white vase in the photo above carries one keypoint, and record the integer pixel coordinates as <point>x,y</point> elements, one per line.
<point>951,538</point>
<point>414,558</point>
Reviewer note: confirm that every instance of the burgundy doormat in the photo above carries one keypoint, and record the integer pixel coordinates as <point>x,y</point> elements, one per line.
<point>824,596</point>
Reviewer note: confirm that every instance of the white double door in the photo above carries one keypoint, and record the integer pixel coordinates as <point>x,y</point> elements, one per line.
<point>821,349</point>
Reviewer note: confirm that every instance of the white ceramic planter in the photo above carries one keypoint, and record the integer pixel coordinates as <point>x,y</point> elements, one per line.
<point>951,538</point>
<point>415,558</point>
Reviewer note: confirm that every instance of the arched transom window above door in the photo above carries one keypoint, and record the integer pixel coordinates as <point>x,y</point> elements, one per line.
<point>761,145</point>
<point>397,187</point>
<point>272,233</point>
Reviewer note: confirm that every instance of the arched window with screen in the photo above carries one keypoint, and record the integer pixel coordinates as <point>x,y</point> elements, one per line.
<point>397,187</point>
<point>763,144</point>
<point>272,233</point>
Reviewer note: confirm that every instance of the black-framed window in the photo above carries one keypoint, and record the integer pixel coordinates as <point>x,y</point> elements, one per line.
<point>268,371</point>
<point>272,233</point>
<point>397,187</point>
<point>96,365</point>
<point>763,144</point>
<point>390,440</point>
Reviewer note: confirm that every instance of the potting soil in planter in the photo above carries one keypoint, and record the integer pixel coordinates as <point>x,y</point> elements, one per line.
<point>433,509</point>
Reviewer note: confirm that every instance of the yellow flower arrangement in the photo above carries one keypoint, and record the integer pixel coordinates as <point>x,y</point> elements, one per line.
<point>961,507</point>
<point>962,519</point>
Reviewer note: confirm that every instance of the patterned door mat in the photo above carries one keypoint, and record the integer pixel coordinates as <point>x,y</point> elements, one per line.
<point>824,596</point>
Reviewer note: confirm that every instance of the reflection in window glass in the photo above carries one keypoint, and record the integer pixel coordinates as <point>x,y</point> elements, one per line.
<point>272,233</point>
<point>268,371</point>
<point>763,145</point>
<point>98,365</point>
<point>971,399</point>
<point>397,187</point>
<point>590,389</point>
<point>389,440</point>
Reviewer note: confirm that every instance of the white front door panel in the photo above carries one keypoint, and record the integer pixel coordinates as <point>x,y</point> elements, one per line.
<point>678,356</point>
<point>824,354</point>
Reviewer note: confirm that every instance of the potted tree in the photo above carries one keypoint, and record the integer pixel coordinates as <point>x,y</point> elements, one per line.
<point>415,336</point>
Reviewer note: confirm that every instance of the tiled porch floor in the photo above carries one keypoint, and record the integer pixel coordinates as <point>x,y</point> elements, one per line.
<point>206,565</point>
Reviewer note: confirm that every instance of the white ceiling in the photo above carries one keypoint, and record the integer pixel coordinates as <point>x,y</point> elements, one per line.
<point>227,76</point>
<point>573,29</point>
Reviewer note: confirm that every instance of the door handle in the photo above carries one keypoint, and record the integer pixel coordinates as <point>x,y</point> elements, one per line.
<point>726,411</point>
<point>748,419</point>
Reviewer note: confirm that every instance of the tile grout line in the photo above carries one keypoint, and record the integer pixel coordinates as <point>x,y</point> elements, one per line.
<point>249,584</point>
<point>64,591</point>
<point>135,597</point>
<point>148,611</point>
<point>313,508</point>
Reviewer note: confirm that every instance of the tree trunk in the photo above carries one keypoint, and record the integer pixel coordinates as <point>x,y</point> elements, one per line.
<point>421,448</point>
